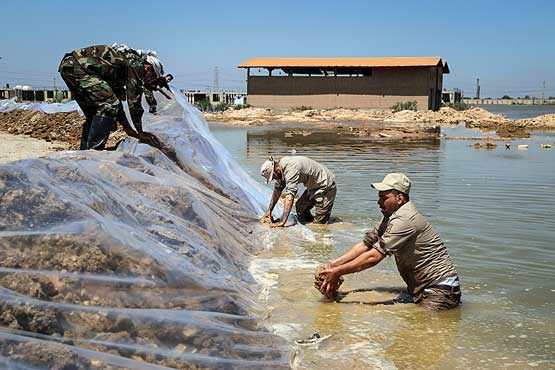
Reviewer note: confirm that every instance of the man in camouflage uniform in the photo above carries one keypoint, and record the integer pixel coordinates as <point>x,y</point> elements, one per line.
<point>101,77</point>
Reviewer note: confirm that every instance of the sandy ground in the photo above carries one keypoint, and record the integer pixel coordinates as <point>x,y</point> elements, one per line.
<point>16,147</point>
<point>474,117</point>
<point>26,134</point>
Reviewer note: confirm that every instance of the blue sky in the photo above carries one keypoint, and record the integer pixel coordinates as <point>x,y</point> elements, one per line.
<point>509,45</point>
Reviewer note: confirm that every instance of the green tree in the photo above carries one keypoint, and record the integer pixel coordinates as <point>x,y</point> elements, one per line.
<point>506,97</point>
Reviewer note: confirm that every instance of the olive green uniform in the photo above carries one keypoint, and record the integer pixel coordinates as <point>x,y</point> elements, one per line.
<point>101,77</point>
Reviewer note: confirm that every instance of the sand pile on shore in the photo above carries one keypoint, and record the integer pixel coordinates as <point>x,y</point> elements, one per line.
<point>245,117</point>
<point>416,120</point>
<point>445,116</point>
<point>448,116</point>
<point>52,127</point>
<point>545,121</point>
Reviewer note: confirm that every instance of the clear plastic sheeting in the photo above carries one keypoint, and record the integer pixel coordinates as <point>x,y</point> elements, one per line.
<point>127,260</point>
<point>8,105</point>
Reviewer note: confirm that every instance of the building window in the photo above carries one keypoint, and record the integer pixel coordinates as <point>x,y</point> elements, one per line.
<point>215,97</point>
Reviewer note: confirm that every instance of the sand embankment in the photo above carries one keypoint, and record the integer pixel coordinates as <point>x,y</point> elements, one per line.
<point>52,128</point>
<point>60,131</point>
<point>445,117</point>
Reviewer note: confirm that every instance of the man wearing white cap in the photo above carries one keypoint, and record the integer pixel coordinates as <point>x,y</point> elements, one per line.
<point>403,232</point>
<point>100,77</point>
<point>288,173</point>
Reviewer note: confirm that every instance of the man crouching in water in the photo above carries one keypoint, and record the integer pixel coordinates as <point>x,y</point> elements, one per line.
<point>420,254</point>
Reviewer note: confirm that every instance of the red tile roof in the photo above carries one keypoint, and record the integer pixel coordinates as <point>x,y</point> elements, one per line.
<point>344,62</point>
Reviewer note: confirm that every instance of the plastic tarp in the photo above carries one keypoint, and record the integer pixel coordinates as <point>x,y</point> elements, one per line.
<point>125,259</point>
<point>7,105</point>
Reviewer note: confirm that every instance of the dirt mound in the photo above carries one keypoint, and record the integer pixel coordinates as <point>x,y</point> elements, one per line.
<point>545,121</point>
<point>61,127</point>
<point>113,257</point>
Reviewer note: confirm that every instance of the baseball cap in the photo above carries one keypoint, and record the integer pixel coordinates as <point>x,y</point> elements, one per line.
<point>267,170</point>
<point>397,181</point>
<point>152,59</point>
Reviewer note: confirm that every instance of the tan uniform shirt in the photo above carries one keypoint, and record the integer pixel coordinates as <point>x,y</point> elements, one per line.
<point>420,254</point>
<point>299,169</point>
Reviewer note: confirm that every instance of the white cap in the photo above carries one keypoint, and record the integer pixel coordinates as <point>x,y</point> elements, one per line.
<point>397,181</point>
<point>148,56</point>
<point>156,64</point>
<point>267,170</point>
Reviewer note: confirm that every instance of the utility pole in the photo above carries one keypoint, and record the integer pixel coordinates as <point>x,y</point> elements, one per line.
<point>216,79</point>
<point>54,83</point>
<point>477,88</point>
<point>543,93</point>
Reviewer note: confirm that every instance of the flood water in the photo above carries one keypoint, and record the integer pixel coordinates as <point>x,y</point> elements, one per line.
<point>493,208</point>
<point>519,111</point>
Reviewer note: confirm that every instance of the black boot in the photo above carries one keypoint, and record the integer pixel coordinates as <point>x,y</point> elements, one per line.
<point>85,133</point>
<point>305,217</point>
<point>100,130</point>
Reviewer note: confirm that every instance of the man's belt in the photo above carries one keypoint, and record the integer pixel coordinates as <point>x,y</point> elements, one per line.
<point>449,288</point>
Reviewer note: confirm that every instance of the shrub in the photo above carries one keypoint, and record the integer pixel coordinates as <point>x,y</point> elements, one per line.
<point>58,97</point>
<point>241,106</point>
<point>204,106</point>
<point>221,107</point>
<point>408,105</point>
<point>301,108</point>
<point>459,106</point>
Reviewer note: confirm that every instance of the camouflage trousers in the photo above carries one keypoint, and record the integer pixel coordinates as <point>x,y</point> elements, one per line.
<point>93,94</point>
<point>151,101</point>
<point>321,199</point>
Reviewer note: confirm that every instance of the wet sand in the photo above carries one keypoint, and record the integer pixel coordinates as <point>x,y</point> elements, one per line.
<point>16,147</point>
<point>394,125</point>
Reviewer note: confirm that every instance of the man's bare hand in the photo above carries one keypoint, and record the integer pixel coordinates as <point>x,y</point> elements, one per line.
<point>267,218</point>
<point>331,282</point>
<point>150,139</point>
<point>277,224</point>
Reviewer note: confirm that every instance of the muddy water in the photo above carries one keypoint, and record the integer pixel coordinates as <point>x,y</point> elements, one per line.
<point>493,208</point>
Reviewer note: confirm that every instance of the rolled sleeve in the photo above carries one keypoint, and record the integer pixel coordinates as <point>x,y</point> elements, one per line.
<point>371,237</point>
<point>291,181</point>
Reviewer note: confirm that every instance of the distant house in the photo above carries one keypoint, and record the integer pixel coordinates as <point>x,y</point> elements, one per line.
<point>229,97</point>
<point>30,94</point>
<point>451,96</point>
<point>344,82</point>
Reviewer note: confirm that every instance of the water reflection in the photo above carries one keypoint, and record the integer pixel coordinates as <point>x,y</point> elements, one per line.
<point>494,210</point>
<point>424,341</point>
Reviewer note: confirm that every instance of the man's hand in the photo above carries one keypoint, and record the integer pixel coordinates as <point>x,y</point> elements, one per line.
<point>332,281</point>
<point>150,139</point>
<point>277,224</point>
<point>267,219</point>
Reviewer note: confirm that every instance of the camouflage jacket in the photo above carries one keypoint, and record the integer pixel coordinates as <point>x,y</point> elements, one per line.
<point>122,70</point>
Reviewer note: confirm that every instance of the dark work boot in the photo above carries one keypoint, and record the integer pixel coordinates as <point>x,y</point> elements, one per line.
<point>85,133</point>
<point>100,130</point>
<point>305,217</point>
